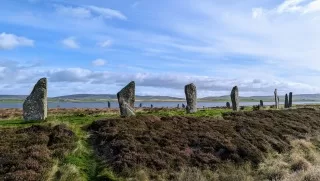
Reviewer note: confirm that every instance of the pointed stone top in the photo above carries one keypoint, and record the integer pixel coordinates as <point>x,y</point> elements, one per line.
<point>132,83</point>
<point>192,84</point>
<point>42,81</point>
<point>235,88</point>
<point>41,85</point>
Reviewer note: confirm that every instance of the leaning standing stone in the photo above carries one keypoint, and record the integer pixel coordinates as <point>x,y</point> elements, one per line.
<point>290,99</point>
<point>191,96</point>
<point>126,98</point>
<point>286,102</point>
<point>35,106</point>
<point>235,98</point>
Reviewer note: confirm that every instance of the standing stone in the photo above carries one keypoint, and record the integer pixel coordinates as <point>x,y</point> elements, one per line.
<point>140,105</point>
<point>127,110</point>
<point>183,106</point>
<point>290,99</point>
<point>261,103</point>
<point>151,106</point>
<point>126,98</point>
<point>235,98</point>
<point>109,104</point>
<point>276,99</point>
<point>35,106</point>
<point>228,105</point>
<point>286,102</point>
<point>191,95</point>
<point>178,106</point>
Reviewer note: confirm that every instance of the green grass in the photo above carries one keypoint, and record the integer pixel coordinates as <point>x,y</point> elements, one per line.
<point>182,112</point>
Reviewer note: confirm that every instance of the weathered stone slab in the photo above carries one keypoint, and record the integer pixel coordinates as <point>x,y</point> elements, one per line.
<point>286,102</point>
<point>35,106</point>
<point>276,99</point>
<point>235,98</point>
<point>109,104</point>
<point>191,97</point>
<point>127,110</point>
<point>126,98</point>
<point>290,99</point>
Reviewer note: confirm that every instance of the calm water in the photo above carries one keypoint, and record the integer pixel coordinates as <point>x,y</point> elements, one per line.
<point>144,104</point>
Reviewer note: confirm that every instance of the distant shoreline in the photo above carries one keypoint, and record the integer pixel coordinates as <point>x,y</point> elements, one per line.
<point>140,100</point>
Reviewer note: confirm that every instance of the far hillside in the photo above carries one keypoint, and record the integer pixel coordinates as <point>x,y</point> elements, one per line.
<point>150,98</point>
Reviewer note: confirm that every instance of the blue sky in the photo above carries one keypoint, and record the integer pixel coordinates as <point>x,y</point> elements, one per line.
<point>95,46</point>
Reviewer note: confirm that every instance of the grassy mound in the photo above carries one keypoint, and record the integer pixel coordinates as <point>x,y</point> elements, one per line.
<point>169,144</point>
<point>27,153</point>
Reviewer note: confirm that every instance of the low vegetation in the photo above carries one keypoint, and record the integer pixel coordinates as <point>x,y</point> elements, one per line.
<point>29,153</point>
<point>161,144</point>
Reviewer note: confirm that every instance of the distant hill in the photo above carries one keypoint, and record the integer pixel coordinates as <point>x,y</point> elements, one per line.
<point>113,96</point>
<point>105,97</point>
<point>13,97</point>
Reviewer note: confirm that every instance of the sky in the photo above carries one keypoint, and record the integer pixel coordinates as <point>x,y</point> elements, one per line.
<point>99,46</point>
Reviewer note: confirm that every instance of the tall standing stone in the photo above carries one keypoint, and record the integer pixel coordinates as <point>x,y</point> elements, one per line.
<point>235,98</point>
<point>35,106</point>
<point>109,104</point>
<point>126,98</point>
<point>261,103</point>
<point>276,99</point>
<point>191,96</point>
<point>290,99</point>
<point>286,102</point>
<point>140,105</point>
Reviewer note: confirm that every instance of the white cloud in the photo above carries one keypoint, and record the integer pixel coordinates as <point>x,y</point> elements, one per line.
<point>89,12</point>
<point>71,42</point>
<point>105,44</point>
<point>108,13</point>
<point>300,6</point>
<point>99,62</point>
<point>290,6</point>
<point>77,12</point>
<point>11,41</point>
<point>19,78</point>
<point>257,12</point>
